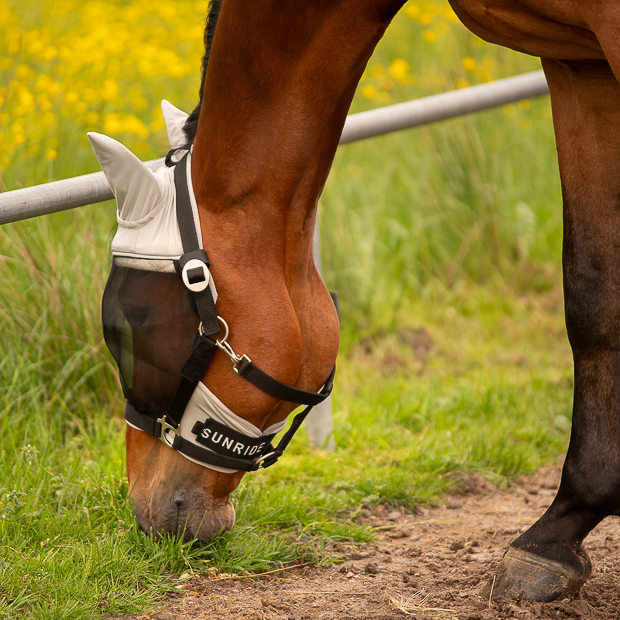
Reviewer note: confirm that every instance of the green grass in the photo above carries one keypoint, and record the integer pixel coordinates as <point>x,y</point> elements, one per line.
<point>444,244</point>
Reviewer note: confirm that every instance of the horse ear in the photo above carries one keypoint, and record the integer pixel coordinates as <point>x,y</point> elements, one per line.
<point>135,186</point>
<point>175,120</point>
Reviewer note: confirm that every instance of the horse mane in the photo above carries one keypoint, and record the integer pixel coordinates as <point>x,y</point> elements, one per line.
<point>191,124</point>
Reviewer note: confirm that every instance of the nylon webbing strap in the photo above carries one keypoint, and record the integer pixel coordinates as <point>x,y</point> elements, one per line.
<point>203,347</point>
<point>141,420</point>
<point>270,459</point>
<point>146,423</point>
<point>207,312</point>
<point>277,389</point>
<point>206,456</point>
<point>185,215</point>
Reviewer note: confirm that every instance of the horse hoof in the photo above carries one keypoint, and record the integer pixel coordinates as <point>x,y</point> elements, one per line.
<point>541,579</point>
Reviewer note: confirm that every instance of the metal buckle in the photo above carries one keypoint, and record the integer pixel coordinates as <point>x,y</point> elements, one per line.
<point>260,460</point>
<point>223,345</point>
<point>166,427</point>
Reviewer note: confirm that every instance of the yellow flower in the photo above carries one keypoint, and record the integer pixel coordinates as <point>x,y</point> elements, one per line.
<point>426,18</point>
<point>23,72</point>
<point>524,104</point>
<point>399,68</point>
<point>49,54</point>
<point>51,154</point>
<point>370,92</point>
<point>91,118</point>
<point>26,100</point>
<point>462,83</point>
<point>158,124</point>
<point>430,36</point>
<point>110,90</point>
<point>13,43</point>
<point>71,97</point>
<point>469,64</point>
<point>44,103</point>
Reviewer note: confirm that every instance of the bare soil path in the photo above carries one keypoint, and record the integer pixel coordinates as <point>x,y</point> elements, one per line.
<point>434,564</point>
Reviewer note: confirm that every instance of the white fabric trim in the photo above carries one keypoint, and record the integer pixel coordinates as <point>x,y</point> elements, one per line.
<point>192,197</point>
<point>158,265</point>
<point>145,263</point>
<point>205,404</point>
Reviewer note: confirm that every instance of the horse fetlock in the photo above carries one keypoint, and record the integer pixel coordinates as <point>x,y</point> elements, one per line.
<point>540,578</point>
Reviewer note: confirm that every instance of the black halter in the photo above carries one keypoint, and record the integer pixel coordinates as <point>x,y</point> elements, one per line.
<point>227,447</point>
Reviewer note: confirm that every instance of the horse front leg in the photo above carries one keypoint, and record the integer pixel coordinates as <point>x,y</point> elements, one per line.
<point>548,560</point>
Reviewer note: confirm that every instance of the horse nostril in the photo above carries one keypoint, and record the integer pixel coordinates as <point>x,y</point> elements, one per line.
<point>179,500</point>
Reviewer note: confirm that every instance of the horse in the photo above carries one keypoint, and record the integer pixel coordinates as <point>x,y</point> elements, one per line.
<point>277,81</point>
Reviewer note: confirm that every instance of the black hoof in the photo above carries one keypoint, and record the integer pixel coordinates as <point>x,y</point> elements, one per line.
<point>541,579</point>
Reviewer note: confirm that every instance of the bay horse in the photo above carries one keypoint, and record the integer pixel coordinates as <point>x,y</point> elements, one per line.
<point>278,77</point>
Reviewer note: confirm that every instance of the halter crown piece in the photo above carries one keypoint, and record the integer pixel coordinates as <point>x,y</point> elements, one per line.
<point>158,242</point>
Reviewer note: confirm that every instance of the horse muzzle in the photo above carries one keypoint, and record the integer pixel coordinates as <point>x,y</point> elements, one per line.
<point>188,516</point>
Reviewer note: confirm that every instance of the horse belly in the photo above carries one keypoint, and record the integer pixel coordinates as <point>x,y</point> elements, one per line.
<point>556,30</point>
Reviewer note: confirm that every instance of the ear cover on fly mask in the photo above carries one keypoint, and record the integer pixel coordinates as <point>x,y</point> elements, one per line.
<point>175,120</point>
<point>148,235</point>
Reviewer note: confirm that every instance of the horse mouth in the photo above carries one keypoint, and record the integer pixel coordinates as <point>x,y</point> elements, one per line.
<point>187,520</point>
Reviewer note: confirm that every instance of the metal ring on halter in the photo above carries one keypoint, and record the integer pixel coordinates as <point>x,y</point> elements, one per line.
<point>224,323</point>
<point>260,459</point>
<point>223,345</point>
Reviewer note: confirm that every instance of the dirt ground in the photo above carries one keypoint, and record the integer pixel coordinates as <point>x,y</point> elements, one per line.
<point>430,565</point>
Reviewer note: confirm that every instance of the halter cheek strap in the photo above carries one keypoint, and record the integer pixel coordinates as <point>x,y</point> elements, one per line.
<point>224,447</point>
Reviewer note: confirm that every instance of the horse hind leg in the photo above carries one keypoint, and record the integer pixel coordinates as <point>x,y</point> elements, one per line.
<point>548,561</point>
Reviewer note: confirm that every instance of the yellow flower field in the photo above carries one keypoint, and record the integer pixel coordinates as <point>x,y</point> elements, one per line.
<point>68,67</point>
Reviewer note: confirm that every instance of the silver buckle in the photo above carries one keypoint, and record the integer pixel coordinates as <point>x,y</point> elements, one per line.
<point>223,345</point>
<point>166,427</point>
<point>260,460</point>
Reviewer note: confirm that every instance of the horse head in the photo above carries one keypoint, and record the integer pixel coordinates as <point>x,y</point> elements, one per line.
<point>188,446</point>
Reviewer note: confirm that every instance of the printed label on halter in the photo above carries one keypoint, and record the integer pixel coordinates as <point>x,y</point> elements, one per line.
<point>226,441</point>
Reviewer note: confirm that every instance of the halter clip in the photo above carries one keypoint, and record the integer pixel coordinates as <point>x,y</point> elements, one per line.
<point>223,345</point>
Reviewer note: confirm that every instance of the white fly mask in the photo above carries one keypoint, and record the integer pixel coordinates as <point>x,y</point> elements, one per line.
<point>159,312</point>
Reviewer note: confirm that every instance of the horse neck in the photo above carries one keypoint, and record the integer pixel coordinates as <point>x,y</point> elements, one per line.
<point>279,83</point>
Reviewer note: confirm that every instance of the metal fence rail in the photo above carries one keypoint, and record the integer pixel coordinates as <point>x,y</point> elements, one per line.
<point>56,196</point>
<point>443,106</point>
<point>21,204</point>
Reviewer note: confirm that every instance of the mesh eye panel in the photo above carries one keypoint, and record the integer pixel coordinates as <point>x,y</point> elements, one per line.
<point>149,327</point>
